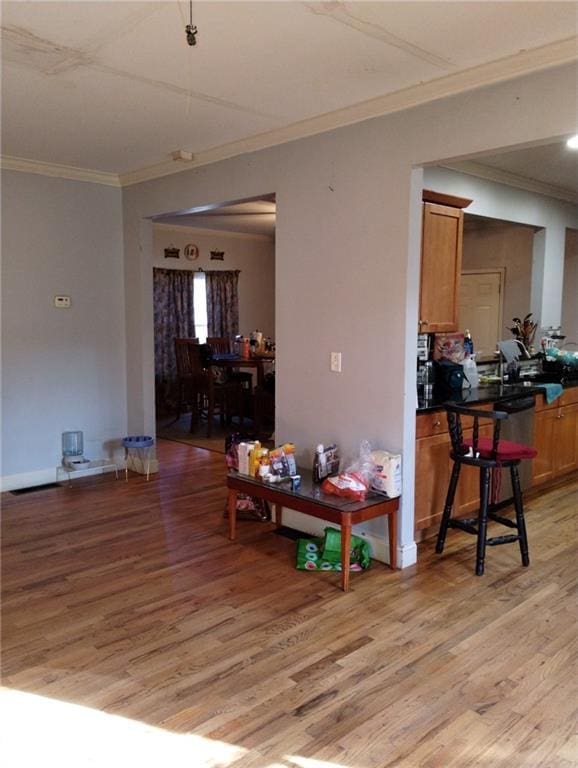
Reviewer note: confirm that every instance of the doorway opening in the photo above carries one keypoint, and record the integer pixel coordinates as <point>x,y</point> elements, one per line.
<point>496,279</point>
<point>213,287</point>
<point>481,307</point>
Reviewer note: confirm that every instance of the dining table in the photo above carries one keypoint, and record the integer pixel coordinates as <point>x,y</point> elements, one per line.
<point>234,360</point>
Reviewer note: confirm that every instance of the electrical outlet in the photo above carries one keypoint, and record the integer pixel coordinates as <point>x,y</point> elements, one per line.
<point>63,302</point>
<point>336,362</point>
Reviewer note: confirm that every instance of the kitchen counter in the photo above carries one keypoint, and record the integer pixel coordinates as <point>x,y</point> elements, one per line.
<point>551,428</point>
<point>494,393</point>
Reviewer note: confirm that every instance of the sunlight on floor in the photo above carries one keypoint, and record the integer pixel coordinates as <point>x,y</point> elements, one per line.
<point>38,731</point>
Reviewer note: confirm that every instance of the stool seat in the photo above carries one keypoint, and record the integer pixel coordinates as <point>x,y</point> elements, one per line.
<point>505,450</point>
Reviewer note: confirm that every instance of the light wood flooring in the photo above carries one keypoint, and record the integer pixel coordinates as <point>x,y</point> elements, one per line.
<point>128,599</point>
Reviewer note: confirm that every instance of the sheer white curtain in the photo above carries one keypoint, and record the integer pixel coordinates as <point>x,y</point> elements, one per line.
<point>200,303</point>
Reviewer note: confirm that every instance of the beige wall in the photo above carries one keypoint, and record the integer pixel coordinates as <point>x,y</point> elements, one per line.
<point>508,246</point>
<point>570,294</point>
<point>62,369</point>
<point>253,256</point>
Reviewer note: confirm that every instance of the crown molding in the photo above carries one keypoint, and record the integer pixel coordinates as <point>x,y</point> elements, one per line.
<point>22,165</point>
<point>500,176</point>
<point>218,232</point>
<point>522,63</point>
<point>517,65</point>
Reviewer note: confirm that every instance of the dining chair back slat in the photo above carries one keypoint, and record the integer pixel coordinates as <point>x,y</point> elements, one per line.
<point>184,370</point>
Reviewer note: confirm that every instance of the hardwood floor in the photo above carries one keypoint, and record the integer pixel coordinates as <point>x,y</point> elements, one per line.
<point>128,598</point>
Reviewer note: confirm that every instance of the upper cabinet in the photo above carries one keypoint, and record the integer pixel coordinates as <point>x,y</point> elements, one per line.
<point>441,262</point>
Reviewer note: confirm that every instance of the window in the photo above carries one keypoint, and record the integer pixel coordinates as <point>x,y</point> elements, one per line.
<point>200,304</point>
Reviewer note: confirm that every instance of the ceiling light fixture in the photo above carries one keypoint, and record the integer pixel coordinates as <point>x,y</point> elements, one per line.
<point>572,142</point>
<point>190,29</point>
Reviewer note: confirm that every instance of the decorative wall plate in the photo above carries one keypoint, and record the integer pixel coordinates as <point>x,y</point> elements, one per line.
<point>191,251</point>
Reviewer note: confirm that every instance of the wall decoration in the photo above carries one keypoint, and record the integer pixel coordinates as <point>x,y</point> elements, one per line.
<point>191,251</point>
<point>217,255</point>
<point>172,253</point>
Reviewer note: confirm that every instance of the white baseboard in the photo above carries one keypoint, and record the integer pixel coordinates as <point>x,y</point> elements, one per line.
<point>44,476</point>
<point>28,479</point>
<point>406,555</point>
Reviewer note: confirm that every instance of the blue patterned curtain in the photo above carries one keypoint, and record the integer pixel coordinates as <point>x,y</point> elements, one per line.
<point>174,318</point>
<point>223,303</point>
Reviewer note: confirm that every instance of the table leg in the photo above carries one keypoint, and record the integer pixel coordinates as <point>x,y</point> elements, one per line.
<point>345,547</point>
<point>278,515</point>
<point>392,530</point>
<point>260,373</point>
<point>232,509</point>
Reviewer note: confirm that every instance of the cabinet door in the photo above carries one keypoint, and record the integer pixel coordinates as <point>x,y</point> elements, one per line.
<point>441,261</point>
<point>544,443</point>
<point>432,474</point>
<point>565,441</point>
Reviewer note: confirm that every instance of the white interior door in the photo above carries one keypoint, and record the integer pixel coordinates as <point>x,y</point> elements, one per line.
<point>481,310</point>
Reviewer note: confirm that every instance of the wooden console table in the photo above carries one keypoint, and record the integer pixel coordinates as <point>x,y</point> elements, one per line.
<point>310,500</point>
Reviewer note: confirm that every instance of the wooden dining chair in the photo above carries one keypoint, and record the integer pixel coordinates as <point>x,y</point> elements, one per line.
<point>221,345</point>
<point>184,372</point>
<point>209,397</point>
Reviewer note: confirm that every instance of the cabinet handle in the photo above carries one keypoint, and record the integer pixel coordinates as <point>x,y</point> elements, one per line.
<point>437,423</point>
<point>423,322</point>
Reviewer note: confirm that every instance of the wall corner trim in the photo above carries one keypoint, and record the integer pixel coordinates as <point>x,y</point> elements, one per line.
<point>406,555</point>
<point>22,165</point>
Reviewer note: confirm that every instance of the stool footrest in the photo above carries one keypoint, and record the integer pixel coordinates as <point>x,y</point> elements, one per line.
<point>502,520</point>
<point>508,539</point>
<point>466,525</point>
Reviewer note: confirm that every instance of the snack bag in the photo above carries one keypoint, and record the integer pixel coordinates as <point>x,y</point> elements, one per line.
<point>352,485</point>
<point>355,482</point>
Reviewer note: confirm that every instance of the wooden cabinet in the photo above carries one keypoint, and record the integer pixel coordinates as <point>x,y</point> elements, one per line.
<point>432,474</point>
<point>566,439</point>
<point>555,437</point>
<point>543,464</point>
<point>441,261</point>
<point>433,468</point>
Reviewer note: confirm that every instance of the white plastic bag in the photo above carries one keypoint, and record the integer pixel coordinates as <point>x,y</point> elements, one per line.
<point>386,476</point>
<point>355,481</point>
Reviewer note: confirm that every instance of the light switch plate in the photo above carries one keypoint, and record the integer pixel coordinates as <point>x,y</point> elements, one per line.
<point>63,302</point>
<point>336,362</point>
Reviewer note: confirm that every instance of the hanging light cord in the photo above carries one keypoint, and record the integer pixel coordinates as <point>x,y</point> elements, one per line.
<point>190,30</point>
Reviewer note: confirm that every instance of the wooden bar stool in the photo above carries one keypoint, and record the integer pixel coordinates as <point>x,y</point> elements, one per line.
<point>487,453</point>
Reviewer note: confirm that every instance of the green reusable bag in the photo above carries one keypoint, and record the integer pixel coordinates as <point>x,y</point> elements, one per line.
<point>325,554</point>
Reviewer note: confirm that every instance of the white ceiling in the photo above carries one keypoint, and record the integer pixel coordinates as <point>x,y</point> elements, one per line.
<point>113,87</point>
<point>254,217</point>
<point>552,164</point>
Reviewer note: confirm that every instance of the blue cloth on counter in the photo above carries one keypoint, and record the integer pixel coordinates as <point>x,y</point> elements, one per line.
<point>551,391</point>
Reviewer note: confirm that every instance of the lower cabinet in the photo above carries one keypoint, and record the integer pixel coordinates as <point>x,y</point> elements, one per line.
<point>433,469</point>
<point>555,437</point>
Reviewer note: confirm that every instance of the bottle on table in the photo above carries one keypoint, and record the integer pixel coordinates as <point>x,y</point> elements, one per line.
<point>468,344</point>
